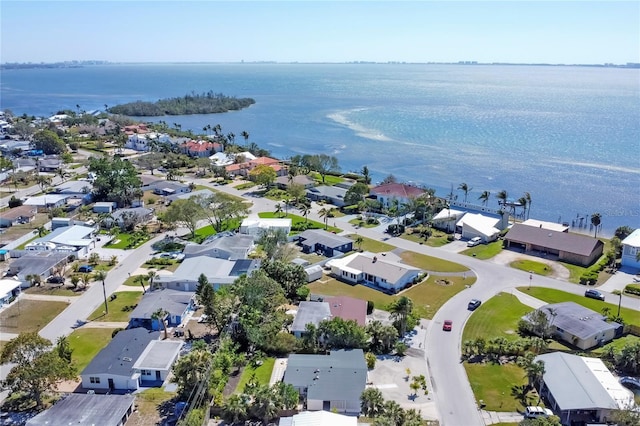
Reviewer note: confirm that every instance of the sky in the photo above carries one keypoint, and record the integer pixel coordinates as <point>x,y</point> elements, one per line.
<point>571,32</point>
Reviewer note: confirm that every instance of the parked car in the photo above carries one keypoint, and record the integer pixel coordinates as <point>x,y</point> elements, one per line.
<point>474,242</point>
<point>55,279</point>
<point>85,268</point>
<point>594,294</point>
<point>447,325</point>
<point>535,412</point>
<point>474,304</point>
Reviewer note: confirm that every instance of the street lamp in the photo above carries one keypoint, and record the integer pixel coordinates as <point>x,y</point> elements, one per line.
<point>530,279</point>
<point>619,293</point>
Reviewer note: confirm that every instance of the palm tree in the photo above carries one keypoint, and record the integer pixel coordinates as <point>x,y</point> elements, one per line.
<point>151,275</point>
<point>596,219</point>
<point>400,311</point>
<point>234,409</point>
<point>140,279</point>
<point>528,198</point>
<point>484,197</point>
<point>245,135</point>
<point>535,372</point>
<point>102,276</point>
<point>304,209</point>
<point>374,330</point>
<point>466,189</point>
<point>365,175</point>
<point>33,279</point>
<point>278,209</point>
<point>388,338</point>
<point>502,197</point>
<point>523,202</point>
<point>324,213</point>
<point>160,315</point>
<point>371,402</point>
<point>75,279</point>
<point>359,240</point>
<point>393,412</point>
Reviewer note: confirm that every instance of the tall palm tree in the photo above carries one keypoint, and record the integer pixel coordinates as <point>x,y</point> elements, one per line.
<point>535,372</point>
<point>371,402</point>
<point>160,315</point>
<point>502,197</point>
<point>325,213</point>
<point>523,203</point>
<point>466,189</point>
<point>359,240</point>
<point>484,197</point>
<point>151,275</point>
<point>278,209</point>
<point>596,219</point>
<point>527,195</point>
<point>102,276</point>
<point>304,209</point>
<point>234,409</point>
<point>400,311</point>
<point>393,412</point>
<point>366,175</point>
<point>245,135</point>
<point>141,279</point>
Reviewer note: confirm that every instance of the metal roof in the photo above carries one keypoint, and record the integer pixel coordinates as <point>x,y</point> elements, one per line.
<point>173,301</point>
<point>310,313</point>
<point>158,355</point>
<point>633,239</point>
<point>311,237</point>
<point>580,383</point>
<point>85,409</point>
<point>341,375</point>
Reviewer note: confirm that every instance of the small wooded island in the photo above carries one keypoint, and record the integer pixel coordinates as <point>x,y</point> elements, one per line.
<point>205,103</point>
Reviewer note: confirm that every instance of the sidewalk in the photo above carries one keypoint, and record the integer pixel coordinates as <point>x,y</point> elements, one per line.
<point>49,298</point>
<point>528,300</point>
<point>493,417</point>
<point>104,324</point>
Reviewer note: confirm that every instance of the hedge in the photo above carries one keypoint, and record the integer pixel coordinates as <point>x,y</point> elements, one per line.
<point>632,289</point>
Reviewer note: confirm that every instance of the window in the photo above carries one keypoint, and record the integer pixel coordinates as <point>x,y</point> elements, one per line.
<point>145,372</point>
<point>94,379</point>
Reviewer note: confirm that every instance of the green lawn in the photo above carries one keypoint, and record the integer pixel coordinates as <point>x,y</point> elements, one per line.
<point>492,384</point>
<point>298,219</point>
<point>245,185</point>
<point>86,343</point>
<point>484,251</point>
<point>538,268</point>
<point>58,290</point>
<point>123,240</point>
<point>262,373</point>
<point>26,316</point>
<point>207,231</point>
<point>371,245</point>
<point>429,263</point>
<point>23,245</point>
<point>617,344</point>
<point>148,403</point>
<point>550,295</point>
<point>496,317</point>
<point>329,180</point>
<point>427,296</point>
<point>437,238</point>
<point>132,281</point>
<point>119,308</point>
<point>363,224</point>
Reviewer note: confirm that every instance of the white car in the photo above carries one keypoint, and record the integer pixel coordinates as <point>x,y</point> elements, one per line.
<point>474,242</point>
<point>535,412</point>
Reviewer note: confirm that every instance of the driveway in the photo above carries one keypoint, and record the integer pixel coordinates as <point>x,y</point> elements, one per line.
<point>505,257</point>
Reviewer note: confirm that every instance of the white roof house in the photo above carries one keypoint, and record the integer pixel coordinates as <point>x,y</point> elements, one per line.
<point>318,418</point>
<point>8,288</point>
<point>630,249</point>
<point>477,225</point>
<point>446,218</point>
<point>575,385</point>
<point>374,270</point>
<point>49,200</point>
<point>256,226</point>
<point>551,226</point>
<point>156,360</point>
<point>75,240</point>
<point>217,271</point>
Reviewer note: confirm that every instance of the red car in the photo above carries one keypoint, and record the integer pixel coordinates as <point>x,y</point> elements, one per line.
<point>447,325</point>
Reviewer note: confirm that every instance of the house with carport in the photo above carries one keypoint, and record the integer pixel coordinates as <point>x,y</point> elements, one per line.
<point>630,250</point>
<point>20,214</point>
<point>573,248</point>
<point>177,305</point>
<point>74,240</point>
<point>219,272</point>
<point>155,362</point>
<point>581,390</point>
<point>225,245</point>
<point>40,263</point>
<point>87,409</point>
<point>473,225</point>
<point>9,290</point>
<point>332,382</point>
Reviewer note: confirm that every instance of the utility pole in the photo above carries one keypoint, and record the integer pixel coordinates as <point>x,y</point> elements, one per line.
<point>530,279</point>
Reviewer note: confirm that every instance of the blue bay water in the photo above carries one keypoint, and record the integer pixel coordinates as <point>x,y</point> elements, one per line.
<point>568,135</point>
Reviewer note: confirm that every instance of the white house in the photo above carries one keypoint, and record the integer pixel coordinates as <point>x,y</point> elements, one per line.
<point>256,226</point>
<point>9,289</point>
<point>447,218</point>
<point>218,272</point>
<point>630,250</point>
<point>374,269</point>
<point>154,364</point>
<point>389,193</point>
<point>311,418</point>
<point>113,367</point>
<point>225,245</point>
<point>477,225</point>
<point>75,240</point>
<point>47,201</point>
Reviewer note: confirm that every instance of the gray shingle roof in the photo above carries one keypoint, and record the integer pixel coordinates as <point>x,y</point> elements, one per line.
<point>85,409</point>
<point>562,241</point>
<point>577,320</point>
<point>236,245</point>
<point>341,375</point>
<point>118,356</point>
<point>311,237</point>
<point>173,301</point>
<point>310,313</point>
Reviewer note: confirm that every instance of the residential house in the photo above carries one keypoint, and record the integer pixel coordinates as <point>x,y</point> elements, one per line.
<point>331,194</point>
<point>78,189</point>
<point>140,129</point>
<point>20,214</point>
<point>87,409</point>
<point>9,289</point>
<point>10,146</point>
<point>477,225</point>
<point>373,269</point>
<point>187,195</point>
<point>331,382</point>
<point>388,193</point>
<point>134,214</point>
<point>73,240</point>
<point>244,169</point>
<point>176,303</point>
<point>144,142</point>
<point>48,201</point>
<point>112,369</point>
<point>572,248</point>
<point>104,207</point>
<point>225,245</point>
<point>256,226</point>
<point>219,272</point>
<point>167,187</point>
<point>309,313</point>
<point>49,164</point>
<point>283,182</point>
<point>577,325</point>
<point>61,222</point>
<point>323,242</point>
<point>551,226</point>
<point>348,308</point>
<point>447,218</point>
<point>309,418</point>
<point>200,148</point>
<point>630,250</point>
<point>155,362</point>
<point>40,263</point>
<point>581,390</point>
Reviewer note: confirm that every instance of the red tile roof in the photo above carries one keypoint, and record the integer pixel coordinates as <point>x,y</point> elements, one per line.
<point>399,190</point>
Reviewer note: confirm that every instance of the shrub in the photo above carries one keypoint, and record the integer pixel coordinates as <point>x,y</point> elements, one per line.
<point>401,348</point>
<point>589,278</point>
<point>450,238</point>
<point>116,331</point>
<point>151,200</point>
<point>632,289</point>
<point>14,202</point>
<point>159,261</point>
<point>371,360</point>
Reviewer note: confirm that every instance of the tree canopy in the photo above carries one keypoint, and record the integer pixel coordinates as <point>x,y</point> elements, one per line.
<point>205,103</point>
<point>49,142</point>
<point>186,213</point>
<point>116,180</point>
